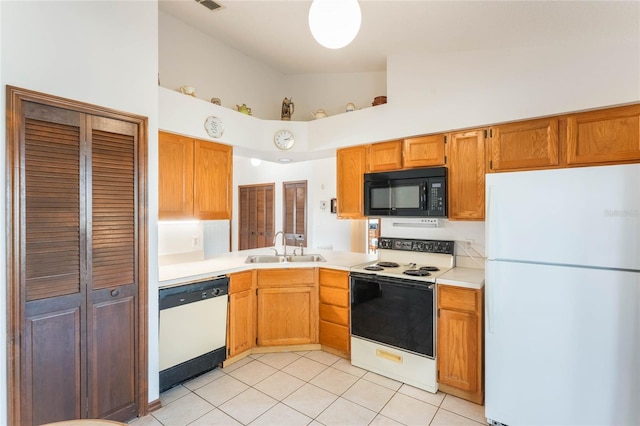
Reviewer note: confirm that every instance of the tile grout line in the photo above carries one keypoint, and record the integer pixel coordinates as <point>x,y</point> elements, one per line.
<point>281,401</point>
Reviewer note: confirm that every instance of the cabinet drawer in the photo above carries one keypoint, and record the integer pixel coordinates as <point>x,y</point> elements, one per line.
<point>458,298</point>
<point>334,314</point>
<point>334,278</point>
<point>334,296</point>
<point>335,336</point>
<point>285,277</point>
<point>240,281</point>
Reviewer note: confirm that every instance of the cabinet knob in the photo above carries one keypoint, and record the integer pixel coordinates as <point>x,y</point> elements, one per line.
<point>115,292</point>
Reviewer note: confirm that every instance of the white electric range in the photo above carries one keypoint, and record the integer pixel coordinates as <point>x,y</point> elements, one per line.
<point>393,311</point>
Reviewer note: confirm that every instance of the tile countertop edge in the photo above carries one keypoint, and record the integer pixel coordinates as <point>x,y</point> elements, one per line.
<point>463,277</point>
<point>185,272</point>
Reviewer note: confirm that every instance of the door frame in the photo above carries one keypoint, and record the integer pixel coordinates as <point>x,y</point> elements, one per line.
<point>15,274</point>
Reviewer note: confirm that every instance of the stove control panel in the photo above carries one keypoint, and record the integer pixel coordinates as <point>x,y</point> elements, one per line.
<point>424,246</point>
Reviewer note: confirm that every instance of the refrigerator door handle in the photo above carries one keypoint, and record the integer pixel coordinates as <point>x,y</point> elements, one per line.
<point>490,302</point>
<point>492,211</point>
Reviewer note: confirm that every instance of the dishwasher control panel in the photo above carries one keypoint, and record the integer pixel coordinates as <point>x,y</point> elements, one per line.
<point>193,292</point>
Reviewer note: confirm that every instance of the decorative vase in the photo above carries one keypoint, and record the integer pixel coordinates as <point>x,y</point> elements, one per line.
<point>287,109</point>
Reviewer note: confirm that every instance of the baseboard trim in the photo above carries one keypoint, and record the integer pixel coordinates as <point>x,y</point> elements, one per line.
<point>271,349</point>
<point>474,397</point>
<point>154,405</point>
<point>342,354</point>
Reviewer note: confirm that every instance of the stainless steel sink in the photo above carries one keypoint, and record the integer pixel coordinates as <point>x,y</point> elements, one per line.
<point>306,258</point>
<point>272,258</point>
<point>265,258</point>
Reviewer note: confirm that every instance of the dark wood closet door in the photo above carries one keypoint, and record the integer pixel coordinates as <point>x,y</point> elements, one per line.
<point>295,213</point>
<point>75,266</point>
<point>256,217</point>
<point>243,218</point>
<point>53,197</point>
<point>112,289</point>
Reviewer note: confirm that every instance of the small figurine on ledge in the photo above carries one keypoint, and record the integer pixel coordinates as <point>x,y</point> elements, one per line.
<point>287,109</point>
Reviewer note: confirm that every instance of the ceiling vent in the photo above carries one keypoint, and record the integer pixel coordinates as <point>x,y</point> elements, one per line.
<point>210,4</point>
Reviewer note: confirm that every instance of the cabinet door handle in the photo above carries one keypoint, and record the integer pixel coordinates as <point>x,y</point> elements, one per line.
<point>115,292</point>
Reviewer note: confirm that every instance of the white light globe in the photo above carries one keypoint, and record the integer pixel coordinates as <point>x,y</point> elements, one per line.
<point>334,23</point>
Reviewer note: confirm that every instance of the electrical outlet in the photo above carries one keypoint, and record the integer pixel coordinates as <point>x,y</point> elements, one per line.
<point>467,244</point>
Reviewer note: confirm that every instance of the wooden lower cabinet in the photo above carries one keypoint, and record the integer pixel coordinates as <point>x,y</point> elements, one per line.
<point>287,307</point>
<point>334,311</point>
<point>241,331</point>
<point>285,316</point>
<point>459,346</point>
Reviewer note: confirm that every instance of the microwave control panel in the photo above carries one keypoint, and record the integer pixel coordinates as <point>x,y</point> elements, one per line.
<point>436,197</point>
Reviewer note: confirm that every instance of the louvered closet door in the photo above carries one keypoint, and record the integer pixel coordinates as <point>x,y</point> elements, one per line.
<point>78,224</point>
<point>243,218</point>
<point>295,215</point>
<point>113,286</point>
<point>54,274</point>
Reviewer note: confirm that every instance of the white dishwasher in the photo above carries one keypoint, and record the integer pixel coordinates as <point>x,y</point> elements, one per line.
<point>193,329</point>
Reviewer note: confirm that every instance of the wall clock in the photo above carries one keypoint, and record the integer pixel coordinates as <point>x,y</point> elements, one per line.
<point>213,126</point>
<point>283,139</point>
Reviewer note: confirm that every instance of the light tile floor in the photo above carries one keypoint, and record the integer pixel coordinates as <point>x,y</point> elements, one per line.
<point>305,388</point>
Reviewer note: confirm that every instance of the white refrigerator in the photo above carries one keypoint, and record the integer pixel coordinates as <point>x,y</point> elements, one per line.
<point>562,329</point>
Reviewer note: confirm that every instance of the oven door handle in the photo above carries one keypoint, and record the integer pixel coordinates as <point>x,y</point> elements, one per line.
<point>403,282</point>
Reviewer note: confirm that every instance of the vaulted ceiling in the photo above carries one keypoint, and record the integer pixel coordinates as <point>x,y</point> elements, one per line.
<point>276,32</point>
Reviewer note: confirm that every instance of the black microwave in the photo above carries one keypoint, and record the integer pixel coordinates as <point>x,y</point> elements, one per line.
<point>415,192</point>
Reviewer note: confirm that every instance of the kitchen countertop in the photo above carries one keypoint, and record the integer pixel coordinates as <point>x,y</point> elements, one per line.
<point>179,269</point>
<point>463,277</point>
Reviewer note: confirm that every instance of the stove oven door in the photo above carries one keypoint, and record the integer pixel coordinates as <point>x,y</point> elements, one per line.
<point>393,311</point>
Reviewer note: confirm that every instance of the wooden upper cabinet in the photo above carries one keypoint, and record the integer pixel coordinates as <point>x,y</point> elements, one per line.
<point>194,178</point>
<point>175,176</point>
<point>466,175</point>
<point>424,151</point>
<point>529,144</point>
<point>351,167</point>
<point>385,156</point>
<point>605,136</point>
<point>212,180</point>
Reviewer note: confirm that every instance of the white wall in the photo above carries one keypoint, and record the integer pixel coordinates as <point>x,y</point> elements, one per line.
<point>326,229</point>
<point>101,52</point>
<point>190,57</point>
<point>477,88</point>
<point>323,227</point>
<point>332,92</point>
<point>458,231</point>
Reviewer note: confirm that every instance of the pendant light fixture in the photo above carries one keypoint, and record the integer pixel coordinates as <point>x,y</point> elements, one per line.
<point>334,23</point>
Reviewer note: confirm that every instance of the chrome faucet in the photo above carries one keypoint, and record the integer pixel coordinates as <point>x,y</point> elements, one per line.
<point>284,243</point>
